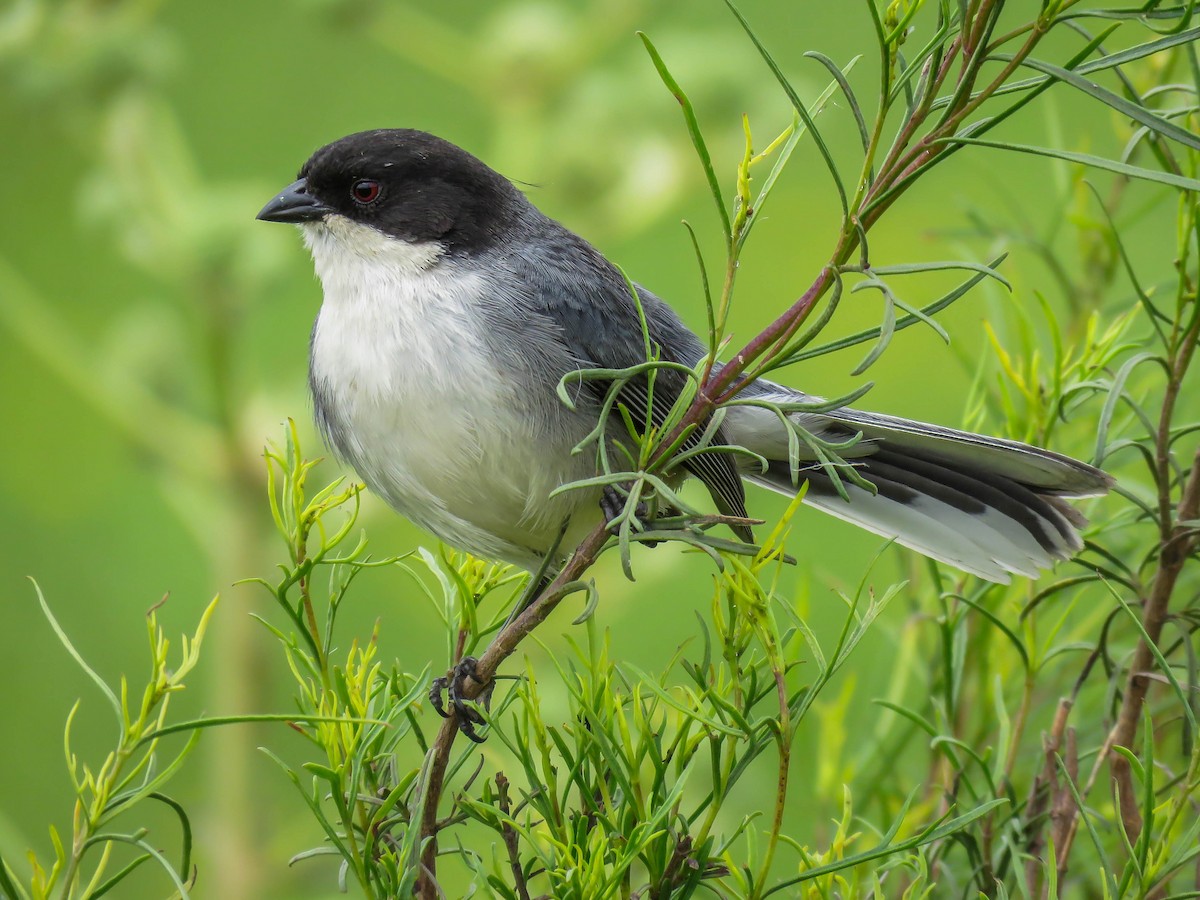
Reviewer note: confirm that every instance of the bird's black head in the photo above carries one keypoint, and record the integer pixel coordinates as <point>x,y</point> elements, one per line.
<point>404,183</point>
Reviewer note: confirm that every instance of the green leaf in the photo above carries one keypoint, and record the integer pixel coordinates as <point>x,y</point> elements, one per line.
<point>119,876</point>
<point>312,854</point>
<point>798,104</point>
<point>693,127</point>
<point>936,831</point>
<point>785,152</point>
<point>75,655</point>
<point>886,329</point>
<point>988,270</point>
<point>1004,629</point>
<point>1144,13</point>
<point>185,828</point>
<point>315,807</point>
<point>847,91</point>
<point>1147,305</point>
<point>903,322</point>
<point>150,789</point>
<point>1126,107</point>
<point>1187,736</point>
<point>1148,792</point>
<point>1166,668</point>
<point>1086,159</point>
<point>593,598</point>
<point>1115,392</point>
<point>913,311</point>
<point>1108,61</point>
<point>213,721</point>
<point>8,885</point>
<point>710,309</point>
<point>654,687</point>
<point>945,740</point>
<point>912,716</point>
<point>176,878</point>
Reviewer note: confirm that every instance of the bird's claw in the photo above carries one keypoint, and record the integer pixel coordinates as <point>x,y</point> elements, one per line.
<point>452,684</point>
<point>612,505</point>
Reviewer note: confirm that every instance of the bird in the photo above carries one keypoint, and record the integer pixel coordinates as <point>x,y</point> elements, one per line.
<point>454,309</point>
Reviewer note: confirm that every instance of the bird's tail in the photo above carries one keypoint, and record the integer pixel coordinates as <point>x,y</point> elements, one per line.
<point>987,506</point>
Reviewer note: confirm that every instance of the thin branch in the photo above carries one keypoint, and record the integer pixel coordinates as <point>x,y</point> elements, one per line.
<point>499,650</point>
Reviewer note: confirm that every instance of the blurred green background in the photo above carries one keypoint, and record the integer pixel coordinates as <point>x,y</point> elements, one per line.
<point>153,335</point>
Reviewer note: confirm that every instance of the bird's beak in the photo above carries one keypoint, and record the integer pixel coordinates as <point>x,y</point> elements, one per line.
<point>295,205</point>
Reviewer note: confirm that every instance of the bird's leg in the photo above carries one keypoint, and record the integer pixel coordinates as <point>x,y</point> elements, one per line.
<point>454,681</point>
<point>454,684</point>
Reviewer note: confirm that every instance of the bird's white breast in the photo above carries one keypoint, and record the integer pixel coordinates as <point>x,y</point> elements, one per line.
<point>409,389</point>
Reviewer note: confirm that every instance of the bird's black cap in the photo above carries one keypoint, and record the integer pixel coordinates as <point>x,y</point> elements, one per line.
<point>405,183</point>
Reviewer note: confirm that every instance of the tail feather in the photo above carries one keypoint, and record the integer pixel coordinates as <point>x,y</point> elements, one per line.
<point>980,491</point>
<point>988,506</point>
<point>1044,471</point>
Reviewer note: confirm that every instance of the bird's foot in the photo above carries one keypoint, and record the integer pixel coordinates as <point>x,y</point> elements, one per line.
<point>453,685</point>
<point>612,505</point>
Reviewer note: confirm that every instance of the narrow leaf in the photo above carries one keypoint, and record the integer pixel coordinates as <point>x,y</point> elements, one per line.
<point>847,91</point>
<point>1087,159</point>
<point>886,329</point>
<point>693,127</point>
<point>75,655</point>
<point>903,322</point>
<point>1115,101</point>
<point>797,103</point>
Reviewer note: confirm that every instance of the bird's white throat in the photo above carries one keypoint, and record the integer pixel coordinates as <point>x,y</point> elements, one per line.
<point>394,318</point>
<point>342,249</point>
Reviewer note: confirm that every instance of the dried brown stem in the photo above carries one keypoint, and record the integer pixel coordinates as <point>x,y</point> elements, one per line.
<point>1044,796</point>
<point>1064,808</point>
<point>1178,542</point>
<point>683,848</point>
<point>510,837</point>
<point>1176,549</point>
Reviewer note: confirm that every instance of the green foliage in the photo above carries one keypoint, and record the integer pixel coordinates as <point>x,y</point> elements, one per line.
<point>1035,740</point>
<point>1014,846</point>
<point>119,788</point>
<point>354,711</point>
<point>599,805</point>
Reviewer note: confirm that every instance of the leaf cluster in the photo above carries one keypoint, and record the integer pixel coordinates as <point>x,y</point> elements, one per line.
<point>90,864</point>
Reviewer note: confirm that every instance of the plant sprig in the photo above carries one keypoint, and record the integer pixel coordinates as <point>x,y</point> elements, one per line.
<point>130,775</point>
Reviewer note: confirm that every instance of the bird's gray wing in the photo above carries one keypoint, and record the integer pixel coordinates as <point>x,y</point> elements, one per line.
<point>572,285</point>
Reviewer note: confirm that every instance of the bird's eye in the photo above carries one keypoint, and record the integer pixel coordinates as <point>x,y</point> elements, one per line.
<point>365,191</point>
